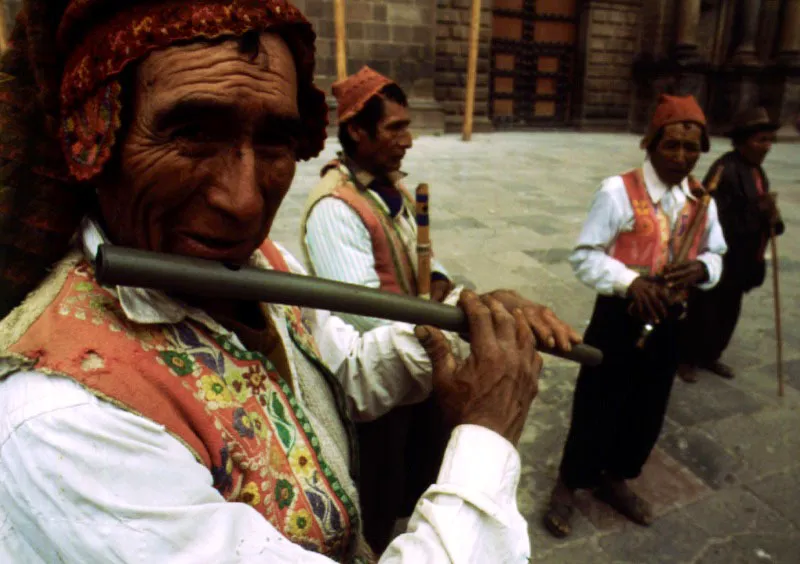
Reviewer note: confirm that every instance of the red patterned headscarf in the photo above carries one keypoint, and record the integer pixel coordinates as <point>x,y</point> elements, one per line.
<point>60,106</point>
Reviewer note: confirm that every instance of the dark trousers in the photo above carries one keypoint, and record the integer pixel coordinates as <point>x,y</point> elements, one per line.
<point>400,455</point>
<point>618,408</point>
<point>711,320</point>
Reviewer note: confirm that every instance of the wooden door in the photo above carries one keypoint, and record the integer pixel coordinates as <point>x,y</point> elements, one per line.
<point>532,61</point>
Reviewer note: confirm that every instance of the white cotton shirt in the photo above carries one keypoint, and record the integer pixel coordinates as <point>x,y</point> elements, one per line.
<point>611,213</point>
<point>84,481</point>
<point>340,248</point>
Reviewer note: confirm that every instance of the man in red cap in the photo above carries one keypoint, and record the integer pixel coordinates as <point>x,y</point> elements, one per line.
<point>625,252</point>
<point>359,227</point>
<point>749,215</point>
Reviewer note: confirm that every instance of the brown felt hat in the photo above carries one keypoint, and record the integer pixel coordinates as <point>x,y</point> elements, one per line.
<point>751,120</point>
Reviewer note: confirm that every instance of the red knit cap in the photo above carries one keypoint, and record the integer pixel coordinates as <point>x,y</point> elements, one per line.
<point>676,109</point>
<point>355,91</point>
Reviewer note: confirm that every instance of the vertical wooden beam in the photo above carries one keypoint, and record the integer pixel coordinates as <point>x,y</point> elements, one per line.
<point>472,68</point>
<point>341,40</point>
<point>3,28</point>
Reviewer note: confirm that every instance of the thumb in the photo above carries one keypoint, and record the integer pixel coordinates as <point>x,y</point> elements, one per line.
<point>437,347</point>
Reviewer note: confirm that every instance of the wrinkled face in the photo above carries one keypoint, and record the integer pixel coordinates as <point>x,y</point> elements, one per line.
<point>210,154</point>
<point>384,152</point>
<point>677,153</point>
<point>757,146</point>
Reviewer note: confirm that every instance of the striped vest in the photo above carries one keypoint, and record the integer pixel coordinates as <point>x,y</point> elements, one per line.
<point>394,263</point>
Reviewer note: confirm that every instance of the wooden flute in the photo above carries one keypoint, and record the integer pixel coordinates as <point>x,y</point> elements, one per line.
<point>423,243</point>
<point>120,266</point>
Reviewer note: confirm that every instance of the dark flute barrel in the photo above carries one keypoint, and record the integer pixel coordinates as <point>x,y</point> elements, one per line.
<point>120,266</point>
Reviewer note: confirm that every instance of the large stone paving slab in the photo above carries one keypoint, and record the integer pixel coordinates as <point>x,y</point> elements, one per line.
<point>708,400</point>
<point>664,483</point>
<point>669,540</point>
<point>702,455</point>
<point>736,511</point>
<point>781,492</point>
<point>767,441</point>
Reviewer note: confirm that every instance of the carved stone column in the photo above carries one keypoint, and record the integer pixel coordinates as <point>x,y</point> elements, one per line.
<point>688,20</point>
<point>746,53</point>
<point>789,48</point>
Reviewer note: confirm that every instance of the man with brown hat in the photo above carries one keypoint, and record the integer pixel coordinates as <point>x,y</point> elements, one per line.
<point>625,252</point>
<point>749,215</point>
<point>359,227</point>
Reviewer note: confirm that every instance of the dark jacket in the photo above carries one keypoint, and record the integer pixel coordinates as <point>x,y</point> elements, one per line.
<point>746,229</point>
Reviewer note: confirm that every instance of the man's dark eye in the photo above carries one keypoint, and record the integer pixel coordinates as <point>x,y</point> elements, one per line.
<point>191,132</point>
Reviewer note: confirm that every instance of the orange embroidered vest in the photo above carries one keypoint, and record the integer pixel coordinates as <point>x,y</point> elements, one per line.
<point>648,247</point>
<point>228,405</point>
<point>392,260</point>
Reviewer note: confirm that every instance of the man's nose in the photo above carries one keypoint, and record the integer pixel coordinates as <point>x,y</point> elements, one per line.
<point>236,189</point>
<point>405,140</point>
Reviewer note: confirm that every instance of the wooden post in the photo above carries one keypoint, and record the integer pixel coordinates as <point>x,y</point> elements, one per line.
<point>341,40</point>
<point>3,28</point>
<point>472,68</point>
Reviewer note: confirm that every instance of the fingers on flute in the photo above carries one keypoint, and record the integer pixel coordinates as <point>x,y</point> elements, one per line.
<point>541,326</point>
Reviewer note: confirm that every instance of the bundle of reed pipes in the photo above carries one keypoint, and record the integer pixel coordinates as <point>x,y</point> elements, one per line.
<point>683,250</point>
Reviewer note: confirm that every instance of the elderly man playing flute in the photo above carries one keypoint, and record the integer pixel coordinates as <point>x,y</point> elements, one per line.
<point>142,426</point>
<point>359,226</point>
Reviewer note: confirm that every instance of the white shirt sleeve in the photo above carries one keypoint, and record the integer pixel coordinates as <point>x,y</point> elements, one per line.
<point>340,248</point>
<point>379,369</point>
<point>84,481</point>
<point>590,260</point>
<point>712,247</point>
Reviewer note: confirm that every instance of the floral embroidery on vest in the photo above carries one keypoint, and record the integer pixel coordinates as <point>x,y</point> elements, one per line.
<point>262,448</point>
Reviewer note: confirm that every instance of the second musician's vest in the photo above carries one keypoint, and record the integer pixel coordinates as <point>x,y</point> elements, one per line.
<point>649,246</point>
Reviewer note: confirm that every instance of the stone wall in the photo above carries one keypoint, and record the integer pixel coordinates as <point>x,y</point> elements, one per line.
<point>610,31</point>
<point>452,52</point>
<point>395,37</point>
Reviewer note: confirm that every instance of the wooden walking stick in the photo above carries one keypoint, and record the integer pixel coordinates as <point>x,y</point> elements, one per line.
<point>423,244</point>
<point>776,293</point>
<point>341,40</point>
<point>472,68</point>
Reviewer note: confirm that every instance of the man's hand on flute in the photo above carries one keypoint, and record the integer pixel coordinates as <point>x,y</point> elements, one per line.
<point>548,330</point>
<point>495,385</point>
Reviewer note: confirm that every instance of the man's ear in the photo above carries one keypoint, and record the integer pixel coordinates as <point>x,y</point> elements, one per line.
<point>356,132</point>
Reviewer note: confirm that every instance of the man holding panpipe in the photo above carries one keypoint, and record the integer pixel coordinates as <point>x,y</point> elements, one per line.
<point>143,426</point>
<point>749,216</point>
<point>637,223</point>
<point>359,227</point>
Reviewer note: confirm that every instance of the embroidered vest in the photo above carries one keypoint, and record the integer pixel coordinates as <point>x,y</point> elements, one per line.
<point>647,249</point>
<point>229,406</point>
<point>393,261</point>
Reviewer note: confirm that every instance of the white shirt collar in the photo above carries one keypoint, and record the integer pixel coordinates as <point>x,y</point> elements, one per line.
<point>149,307</point>
<point>656,187</point>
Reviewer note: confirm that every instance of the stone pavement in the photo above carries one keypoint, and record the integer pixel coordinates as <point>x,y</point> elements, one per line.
<point>725,477</point>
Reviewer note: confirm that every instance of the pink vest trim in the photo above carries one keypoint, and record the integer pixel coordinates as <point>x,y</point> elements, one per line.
<point>392,262</point>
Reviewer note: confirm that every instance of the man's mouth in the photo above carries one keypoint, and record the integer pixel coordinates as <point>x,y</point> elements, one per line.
<point>215,248</point>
